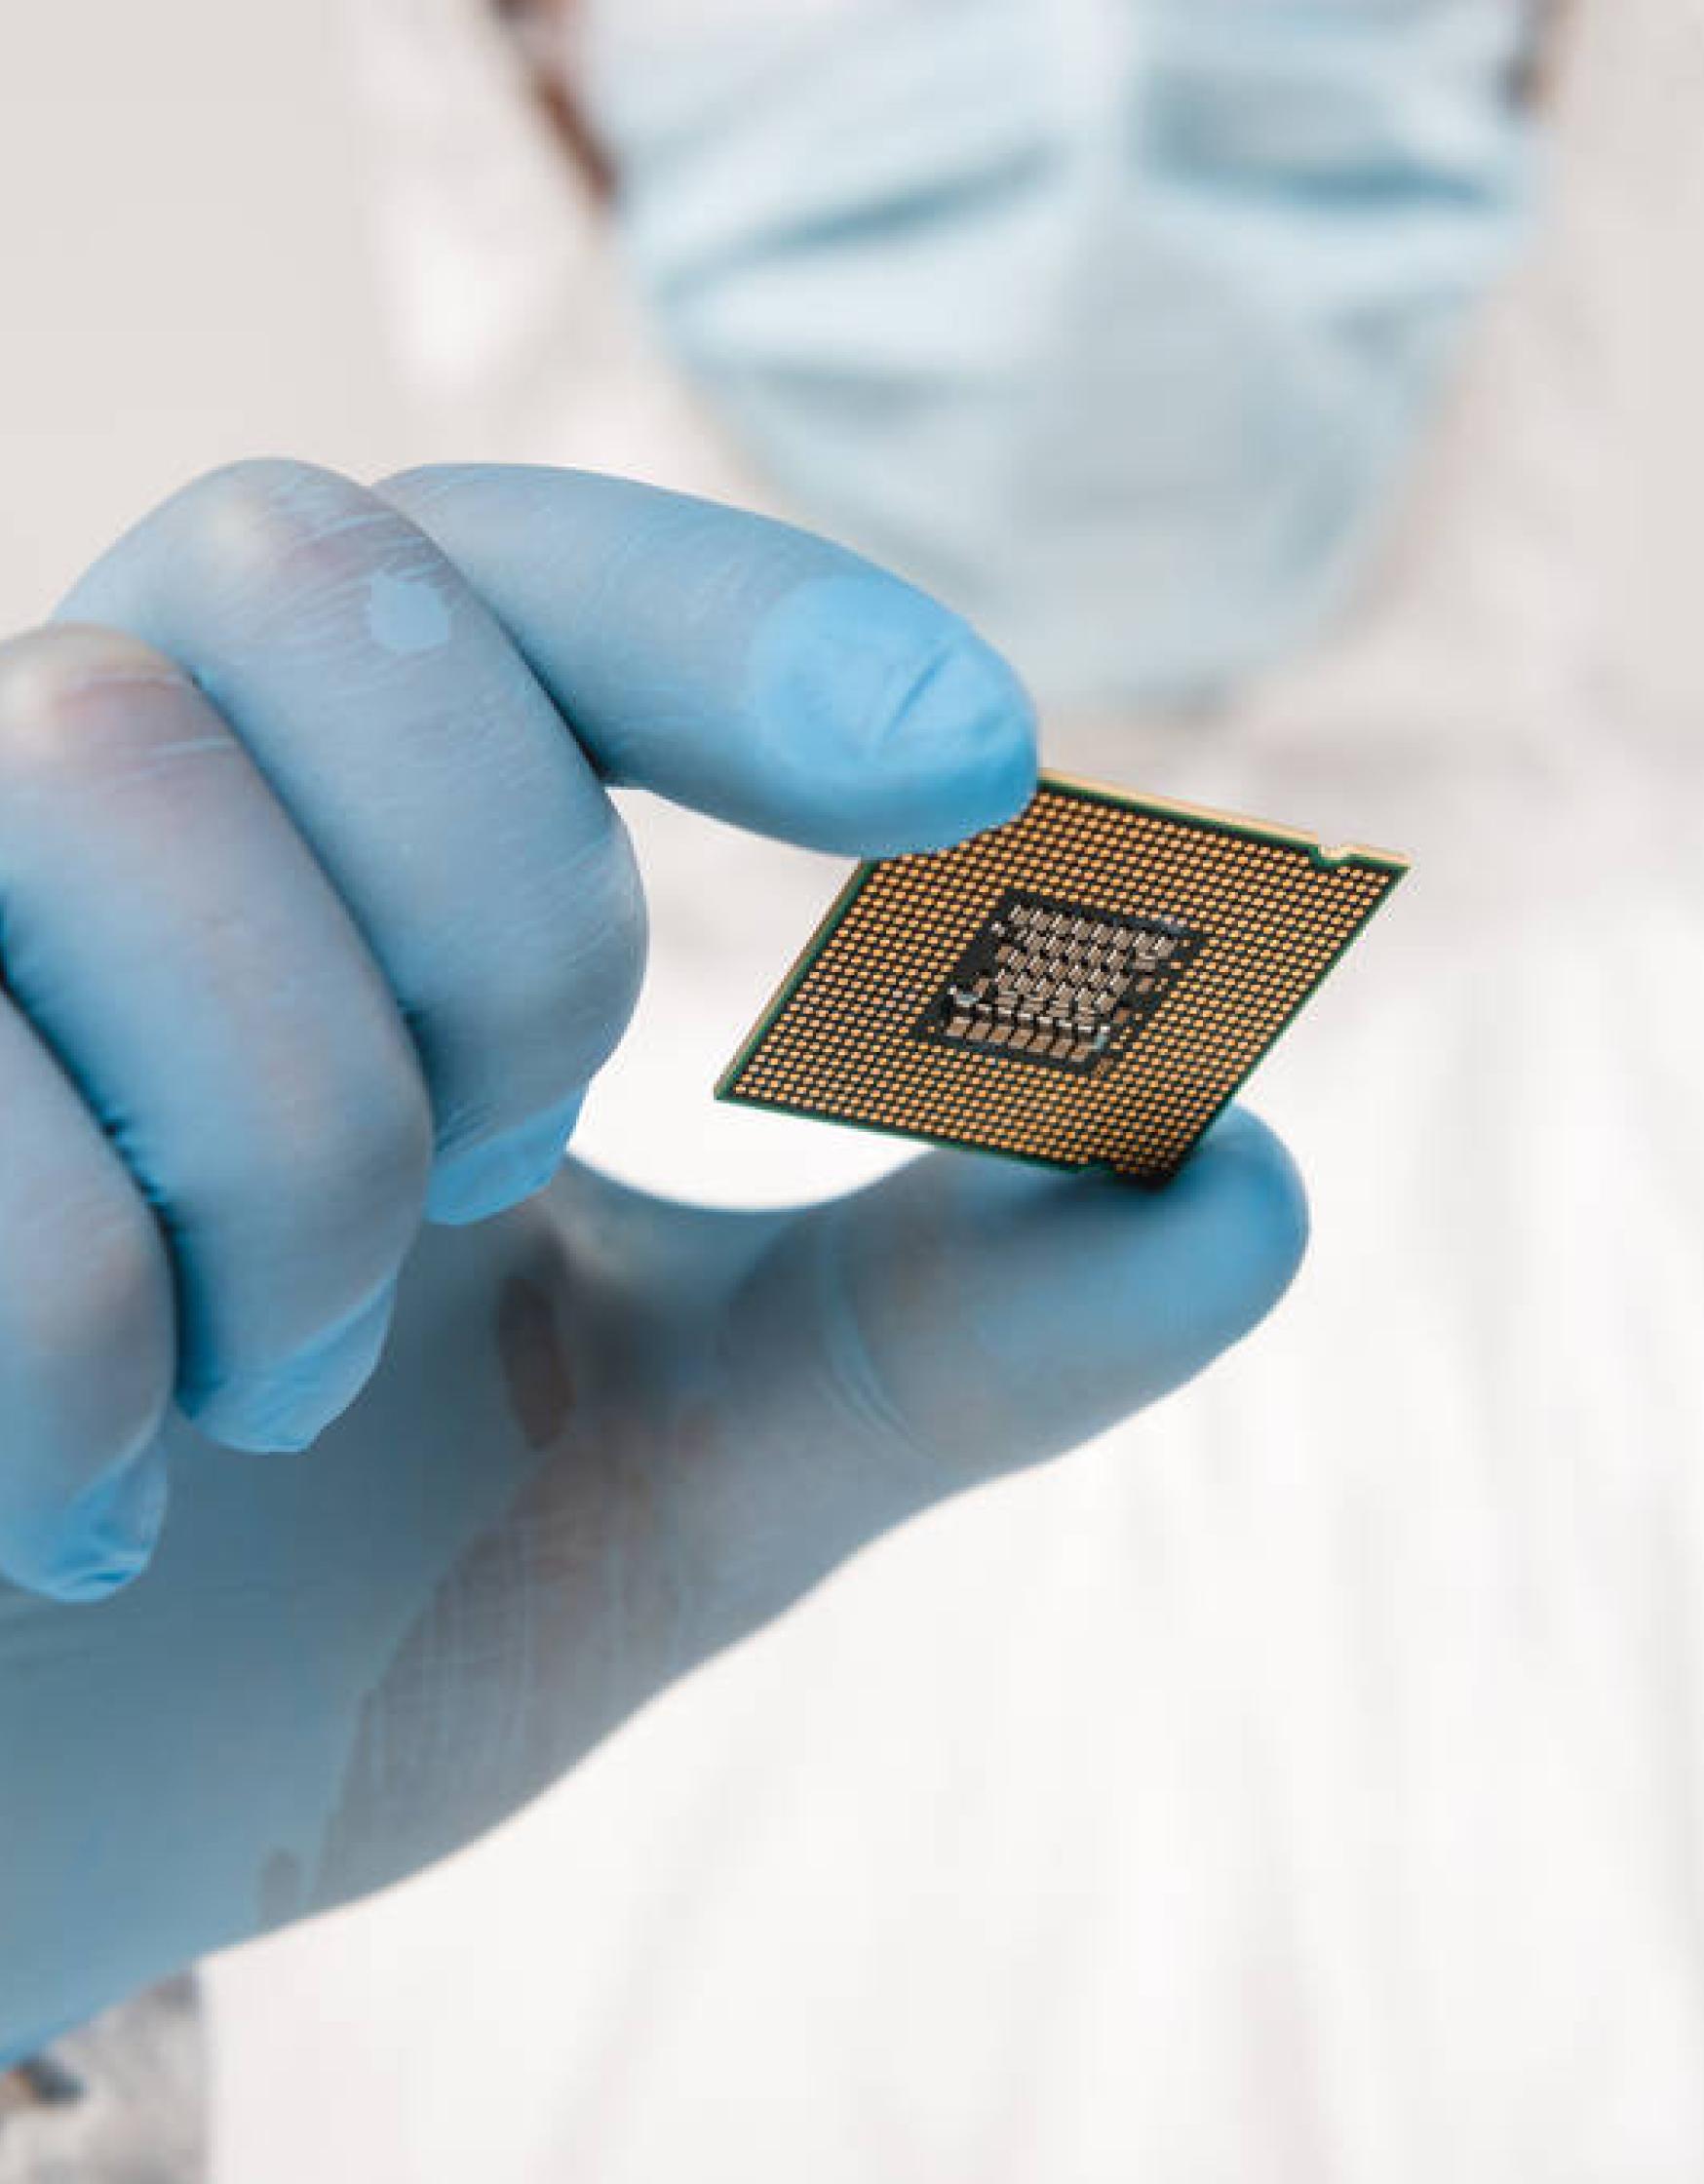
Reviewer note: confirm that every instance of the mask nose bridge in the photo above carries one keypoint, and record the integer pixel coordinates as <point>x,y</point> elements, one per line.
<point>1091,53</point>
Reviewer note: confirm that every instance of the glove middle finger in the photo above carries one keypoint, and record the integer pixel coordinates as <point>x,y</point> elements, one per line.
<point>179,954</point>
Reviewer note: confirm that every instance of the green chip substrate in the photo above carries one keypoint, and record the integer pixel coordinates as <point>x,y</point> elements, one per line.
<point>1088,984</point>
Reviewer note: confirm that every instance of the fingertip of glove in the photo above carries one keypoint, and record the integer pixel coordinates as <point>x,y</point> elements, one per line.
<point>102,1543</point>
<point>484,1180</point>
<point>1244,1182</point>
<point>968,730</point>
<point>285,1410</point>
<point>889,723</point>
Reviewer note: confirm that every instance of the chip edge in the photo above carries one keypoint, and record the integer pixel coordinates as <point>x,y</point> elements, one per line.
<point>798,971</point>
<point>1329,856</point>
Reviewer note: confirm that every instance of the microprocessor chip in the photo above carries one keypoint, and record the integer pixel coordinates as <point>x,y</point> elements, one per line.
<point>1086,986</point>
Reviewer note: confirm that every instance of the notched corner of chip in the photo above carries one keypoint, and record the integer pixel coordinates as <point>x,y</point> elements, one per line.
<point>1086,986</point>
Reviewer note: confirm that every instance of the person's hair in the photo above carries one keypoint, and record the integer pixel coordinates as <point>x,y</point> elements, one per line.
<point>537,27</point>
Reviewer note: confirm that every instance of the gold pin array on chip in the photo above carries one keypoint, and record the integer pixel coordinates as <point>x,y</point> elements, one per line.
<point>1088,984</point>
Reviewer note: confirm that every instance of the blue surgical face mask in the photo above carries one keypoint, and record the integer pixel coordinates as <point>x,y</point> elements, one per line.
<point>1112,321</point>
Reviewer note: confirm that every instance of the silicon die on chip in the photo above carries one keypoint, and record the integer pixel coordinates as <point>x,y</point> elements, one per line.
<point>1060,984</point>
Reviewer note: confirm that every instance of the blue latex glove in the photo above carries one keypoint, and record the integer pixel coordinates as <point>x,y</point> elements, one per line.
<point>317,917</point>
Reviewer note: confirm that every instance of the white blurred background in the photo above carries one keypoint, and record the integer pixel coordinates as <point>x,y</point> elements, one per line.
<point>185,268</point>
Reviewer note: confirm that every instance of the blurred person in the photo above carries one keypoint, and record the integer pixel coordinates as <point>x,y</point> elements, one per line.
<point>1260,1793</point>
<point>1299,1786</point>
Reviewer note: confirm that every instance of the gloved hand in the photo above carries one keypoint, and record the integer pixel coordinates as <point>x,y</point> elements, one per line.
<point>316,918</point>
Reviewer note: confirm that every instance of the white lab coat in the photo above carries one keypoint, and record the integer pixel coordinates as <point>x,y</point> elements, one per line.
<point>1306,1783</point>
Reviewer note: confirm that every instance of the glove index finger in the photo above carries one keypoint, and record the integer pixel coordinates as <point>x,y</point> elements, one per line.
<point>737,665</point>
